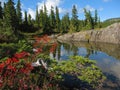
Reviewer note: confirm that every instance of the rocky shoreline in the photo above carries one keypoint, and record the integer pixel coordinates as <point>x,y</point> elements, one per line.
<point>110,34</point>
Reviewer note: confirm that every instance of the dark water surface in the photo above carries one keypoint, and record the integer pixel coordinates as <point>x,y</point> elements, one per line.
<point>107,57</point>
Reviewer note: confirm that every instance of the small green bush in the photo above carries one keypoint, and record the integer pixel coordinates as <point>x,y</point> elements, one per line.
<point>83,68</point>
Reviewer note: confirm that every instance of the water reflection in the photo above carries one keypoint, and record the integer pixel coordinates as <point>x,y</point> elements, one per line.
<point>107,57</point>
<point>66,49</point>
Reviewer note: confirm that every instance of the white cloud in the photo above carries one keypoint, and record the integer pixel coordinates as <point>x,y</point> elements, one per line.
<point>88,7</point>
<point>31,12</point>
<point>2,1</point>
<point>100,9</point>
<point>50,3</point>
<point>81,10</point>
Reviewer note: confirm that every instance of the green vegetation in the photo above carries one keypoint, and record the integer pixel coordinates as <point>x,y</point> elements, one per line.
<point>7,50</point>
<point>11,22</point>
<point>12,25</point>
<point>18,12</point>
<point>1,11</point>
<point>57,20</point>
<point>83,68</point>
<point>74,20</point>
<point>16,71</point>
<point>65,23</point>
<point>110,21</point>
<point>17,54</point>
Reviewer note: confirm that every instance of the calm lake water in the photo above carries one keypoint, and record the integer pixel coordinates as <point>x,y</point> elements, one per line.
<point>107,57</point>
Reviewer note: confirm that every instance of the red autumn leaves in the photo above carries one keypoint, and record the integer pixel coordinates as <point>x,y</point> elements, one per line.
<point>9,64</point>
<point>9,69</point>
<point>41,42</point>
<point>21,55</point>
<point>12,68</point>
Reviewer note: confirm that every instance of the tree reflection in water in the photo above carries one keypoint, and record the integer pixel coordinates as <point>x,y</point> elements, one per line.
<point>106,55</point>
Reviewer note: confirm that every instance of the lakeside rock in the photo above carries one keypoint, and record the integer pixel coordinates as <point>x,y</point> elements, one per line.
<point>110,34</point>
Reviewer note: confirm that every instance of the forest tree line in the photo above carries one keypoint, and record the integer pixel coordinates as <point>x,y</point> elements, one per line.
<point>11,21</point>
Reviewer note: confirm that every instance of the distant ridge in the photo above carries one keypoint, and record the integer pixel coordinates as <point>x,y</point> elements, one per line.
<point>113,20</point>
<point>110,21</point>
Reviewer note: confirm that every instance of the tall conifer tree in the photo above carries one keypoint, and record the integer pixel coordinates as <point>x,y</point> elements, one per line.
<point>1,11</point>
<point>89,21</point>
<point>57,20</point>
<point>41,18</point>
<point>10,16</point>
<point>29,20</point>
<point>96,17</point>
<point>52,19</point>
<point>65,23</point>
<point>37,17</point>
<point>74,19</point>
<point>99,23</point>
<point>46,26</point>
<point>26,19</point>
<point>18,12</point>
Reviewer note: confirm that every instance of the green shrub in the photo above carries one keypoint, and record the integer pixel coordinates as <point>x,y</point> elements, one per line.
<point>83,68</point>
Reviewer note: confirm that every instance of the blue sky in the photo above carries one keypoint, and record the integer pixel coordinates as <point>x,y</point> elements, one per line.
<point>106,8</point>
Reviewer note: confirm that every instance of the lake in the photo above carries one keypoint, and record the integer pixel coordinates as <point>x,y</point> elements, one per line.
<point>107,57</point>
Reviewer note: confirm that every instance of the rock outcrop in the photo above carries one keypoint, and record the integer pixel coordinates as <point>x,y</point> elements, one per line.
<point>111,34</point>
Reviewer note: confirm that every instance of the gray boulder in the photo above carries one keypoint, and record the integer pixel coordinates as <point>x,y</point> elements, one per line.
<point>111,34</point>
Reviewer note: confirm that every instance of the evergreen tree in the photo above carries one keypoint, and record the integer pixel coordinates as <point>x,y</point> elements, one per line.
<point>81,25</point>
<point>41,18</point>
<point>99,23</point>
<point>9,22</point>
<point>1,17</point>
<point>46,25</point>
<point>96,17</point>
<point>4,9</point>
<point>18,11</point>
<point>57,20</point>
<point>28,25</point>
<point>10,16</point>
<point>86,16</point>
<point>4,22</point>
<point>29,20</point>
<point>37,18</point>
<point>65,23</point>
<point>89,22</point>
<point>52,19</point>
<point>74,19</point>
<point>1,11</point>
<point>11,19</point>
<point>25,20</point>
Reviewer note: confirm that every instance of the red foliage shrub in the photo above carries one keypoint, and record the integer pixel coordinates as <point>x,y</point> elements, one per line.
<point>21,54</point>
<point>15,71</point>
